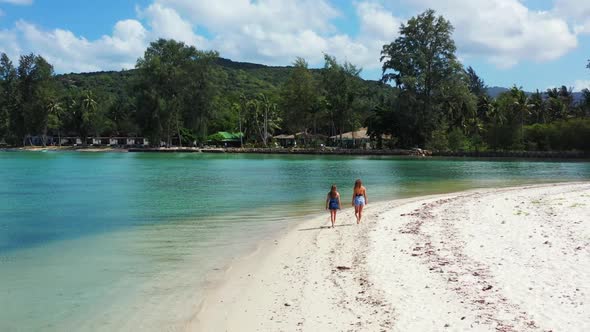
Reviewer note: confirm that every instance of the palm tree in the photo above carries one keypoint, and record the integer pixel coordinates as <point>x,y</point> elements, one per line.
<point>84,110</point>
<point>559,102</point>
<point>521,106</point>
<point>237,108</point>
<point>494,114</point>
<point>55,110</point>
<point>88,102</point>
<point>265,106</point>
<point>538,107</point>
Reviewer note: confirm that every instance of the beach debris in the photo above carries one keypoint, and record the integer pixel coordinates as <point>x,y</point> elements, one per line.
<point>463,318</point>
<point>343,268</point>
<point>287,305</point>
<point>487,288</point>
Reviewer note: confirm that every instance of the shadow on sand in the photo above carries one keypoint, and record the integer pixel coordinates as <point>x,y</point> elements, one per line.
<point>324,227</point>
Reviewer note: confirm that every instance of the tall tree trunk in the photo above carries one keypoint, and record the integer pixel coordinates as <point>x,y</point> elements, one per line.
<point>240,125</point>
<point>341,131</point>
<point>44,136</point>
<point>169,139</point>
<point>179,135</point>
<point>265,126</point>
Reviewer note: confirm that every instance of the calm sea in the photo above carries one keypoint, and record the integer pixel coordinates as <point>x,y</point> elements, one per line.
<point>120,241</point>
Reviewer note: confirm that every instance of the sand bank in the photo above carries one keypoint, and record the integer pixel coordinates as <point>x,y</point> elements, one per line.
<point>511,259</point>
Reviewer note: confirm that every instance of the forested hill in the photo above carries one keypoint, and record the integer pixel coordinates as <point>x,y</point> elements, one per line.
<point>238,78</point>
<point>241,78</point>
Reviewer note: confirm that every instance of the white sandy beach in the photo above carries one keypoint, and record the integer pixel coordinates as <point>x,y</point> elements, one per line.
<point>511,259</point>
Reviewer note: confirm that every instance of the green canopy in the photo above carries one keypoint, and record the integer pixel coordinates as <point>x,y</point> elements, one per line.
<point>224,136</point>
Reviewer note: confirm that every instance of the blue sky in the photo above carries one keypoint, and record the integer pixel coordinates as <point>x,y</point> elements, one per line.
<point>534,44</point>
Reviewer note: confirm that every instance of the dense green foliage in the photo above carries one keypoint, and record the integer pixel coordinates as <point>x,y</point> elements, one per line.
<point>178,95</point>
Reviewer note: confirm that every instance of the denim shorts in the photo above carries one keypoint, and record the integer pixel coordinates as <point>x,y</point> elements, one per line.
<point>359,200</point>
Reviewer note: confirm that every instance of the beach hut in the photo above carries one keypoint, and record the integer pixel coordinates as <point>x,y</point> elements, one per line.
<point>71,141</point>
<point>94,141</point>
<point>353,139</point>
<point>141,141</point>
<point>226,139</point>
<point>358,139</point>
<point>118,141</point>
<point>286,140</point>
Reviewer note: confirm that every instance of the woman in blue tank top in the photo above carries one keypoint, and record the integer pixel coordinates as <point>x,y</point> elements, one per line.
<point>333,203</point>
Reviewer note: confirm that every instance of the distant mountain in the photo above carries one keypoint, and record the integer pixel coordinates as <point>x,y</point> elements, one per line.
<point>495,91</point>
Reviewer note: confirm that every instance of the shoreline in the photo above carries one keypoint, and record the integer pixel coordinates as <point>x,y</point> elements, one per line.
<point>482,155</point>
<point>314,278</point>
<point>63,149</point>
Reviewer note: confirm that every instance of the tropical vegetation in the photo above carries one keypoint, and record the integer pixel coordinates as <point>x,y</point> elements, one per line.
<point>179,95</point>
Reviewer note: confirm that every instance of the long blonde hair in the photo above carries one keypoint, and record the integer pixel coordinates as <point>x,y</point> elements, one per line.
<point>358,184</point>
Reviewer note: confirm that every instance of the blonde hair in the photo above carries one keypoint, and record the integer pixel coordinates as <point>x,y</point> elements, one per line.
<point>358,183</point>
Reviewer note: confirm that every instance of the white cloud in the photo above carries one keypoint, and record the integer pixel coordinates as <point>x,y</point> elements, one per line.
<point>505,32</point>
<point>18,2</point>
<point>268,31</point>
<point>271,15</point>
<point>120,50</point>
<point>577,12</point>
<point>580,85</point>
<point>167,23</point>
<point>378,27</point>
<point>376,22</point>
<point>276,31</point>
<point>68,52</point>
<point>9,43</point>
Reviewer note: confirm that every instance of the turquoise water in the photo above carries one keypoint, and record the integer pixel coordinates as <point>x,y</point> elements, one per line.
<point>99,241</point>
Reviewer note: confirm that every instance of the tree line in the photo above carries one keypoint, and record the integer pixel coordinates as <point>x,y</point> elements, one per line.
<point>179,95</point>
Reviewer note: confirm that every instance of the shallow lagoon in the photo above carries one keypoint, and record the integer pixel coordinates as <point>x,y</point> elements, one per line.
<point>101,241</point>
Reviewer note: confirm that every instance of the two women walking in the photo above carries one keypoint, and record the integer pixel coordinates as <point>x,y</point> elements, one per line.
<point>359,200</point>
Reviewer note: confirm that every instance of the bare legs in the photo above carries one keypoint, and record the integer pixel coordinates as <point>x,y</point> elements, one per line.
<point>333,217</point>
<point>358,212</point>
